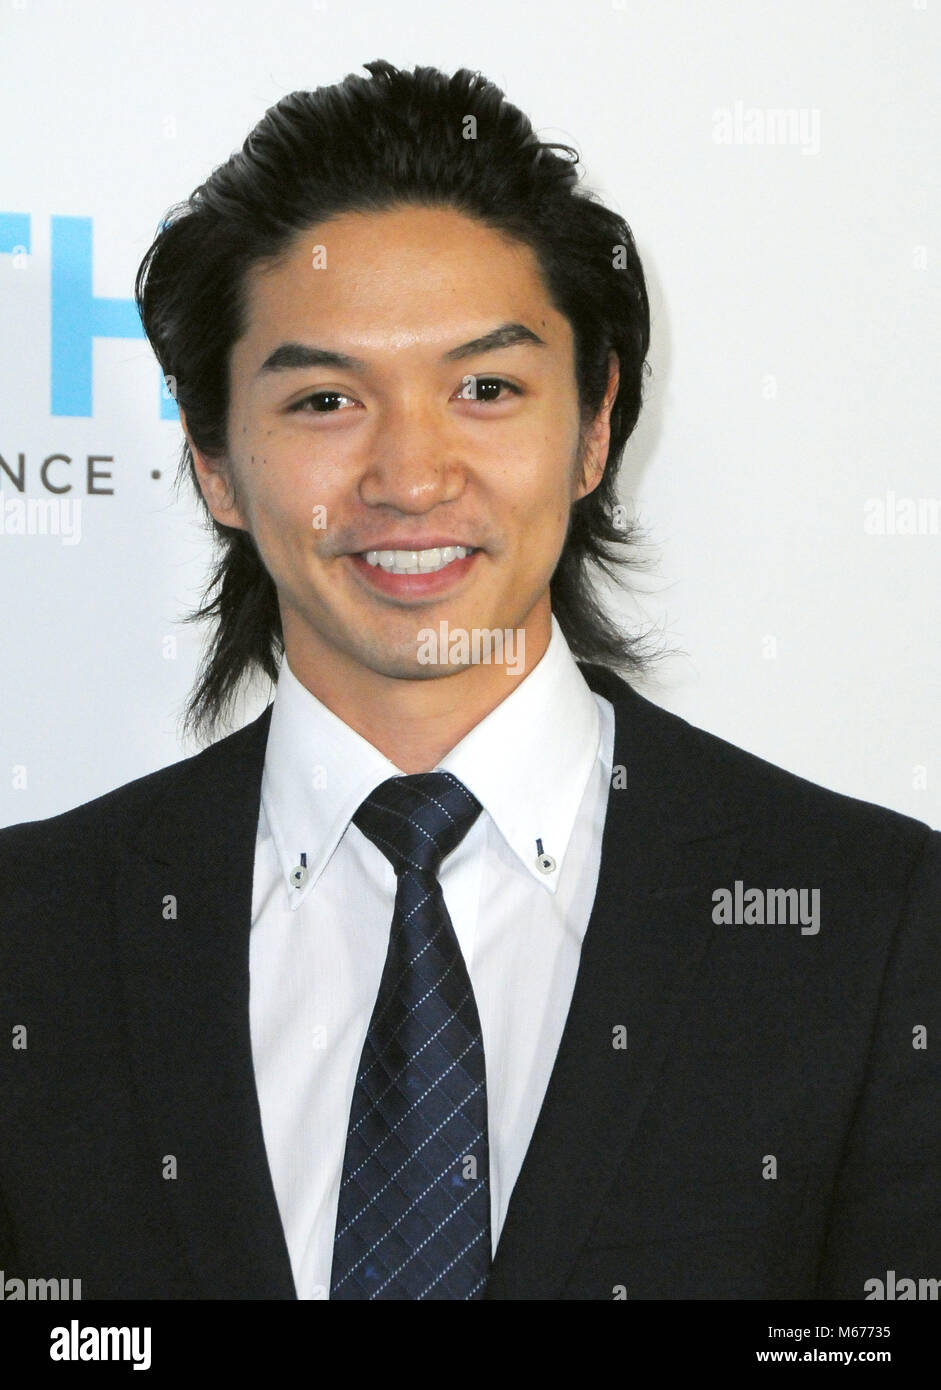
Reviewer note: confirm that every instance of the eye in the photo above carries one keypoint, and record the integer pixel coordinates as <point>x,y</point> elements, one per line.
<point>480,388</point>
<point>319,396</point>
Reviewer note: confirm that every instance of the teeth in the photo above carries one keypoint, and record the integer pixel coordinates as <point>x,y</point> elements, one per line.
<point>416,561</point>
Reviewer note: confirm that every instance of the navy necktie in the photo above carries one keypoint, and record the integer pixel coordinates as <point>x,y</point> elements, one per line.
<point>413,1220</point>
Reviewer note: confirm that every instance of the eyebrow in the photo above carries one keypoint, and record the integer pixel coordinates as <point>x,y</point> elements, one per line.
<point>290,357</point>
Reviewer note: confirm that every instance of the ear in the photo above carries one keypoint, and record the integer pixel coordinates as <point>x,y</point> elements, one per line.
<point>215,483</point>
<point>595,446</point>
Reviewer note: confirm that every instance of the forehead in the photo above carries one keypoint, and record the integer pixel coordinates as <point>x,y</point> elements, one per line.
<point>394,277</point>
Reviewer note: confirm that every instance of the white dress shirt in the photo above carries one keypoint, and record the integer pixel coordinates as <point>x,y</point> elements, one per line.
<point>540,764</point>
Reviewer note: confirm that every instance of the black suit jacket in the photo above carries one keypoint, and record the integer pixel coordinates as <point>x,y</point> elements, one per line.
<point>735,1111</point>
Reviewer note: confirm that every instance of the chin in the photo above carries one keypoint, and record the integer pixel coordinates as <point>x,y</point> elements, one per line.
<point>409,669</point>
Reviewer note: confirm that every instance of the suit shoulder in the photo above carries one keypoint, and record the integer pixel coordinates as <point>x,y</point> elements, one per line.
<point>802,817</point>
<point>78,835</point>
<point>790,790</point>
<point>788,818</point>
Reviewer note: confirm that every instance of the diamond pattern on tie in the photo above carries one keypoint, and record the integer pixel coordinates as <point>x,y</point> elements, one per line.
<point>413,1220</point>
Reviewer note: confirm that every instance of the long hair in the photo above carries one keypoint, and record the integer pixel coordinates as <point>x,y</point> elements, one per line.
<point>367,145</point>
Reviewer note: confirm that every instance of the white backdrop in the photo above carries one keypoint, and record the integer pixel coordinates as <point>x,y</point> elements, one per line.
<point>777,163</point>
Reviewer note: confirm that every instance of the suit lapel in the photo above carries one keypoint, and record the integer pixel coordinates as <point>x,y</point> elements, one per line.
<point>186,986</point>
<point>667,841</point>
<point>186,983</point>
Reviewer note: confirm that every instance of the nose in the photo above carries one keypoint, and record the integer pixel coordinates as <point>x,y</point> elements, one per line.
<point>414,462</point>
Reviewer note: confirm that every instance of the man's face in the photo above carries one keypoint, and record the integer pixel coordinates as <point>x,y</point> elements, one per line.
<point>395,451</point>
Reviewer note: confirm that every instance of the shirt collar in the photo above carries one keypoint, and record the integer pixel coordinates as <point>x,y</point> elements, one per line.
<point>528,762</point>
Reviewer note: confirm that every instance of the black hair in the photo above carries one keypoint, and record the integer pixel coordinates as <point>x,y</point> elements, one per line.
<point>368,145</point>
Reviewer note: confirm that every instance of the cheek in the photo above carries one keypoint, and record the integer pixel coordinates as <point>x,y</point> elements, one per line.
<point>539,490</point>
<point>285,495</point>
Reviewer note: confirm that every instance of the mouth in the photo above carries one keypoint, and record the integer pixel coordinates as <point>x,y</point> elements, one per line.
<point>414,573</point>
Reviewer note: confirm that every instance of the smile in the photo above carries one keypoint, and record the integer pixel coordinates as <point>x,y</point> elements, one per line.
<point>416,561</point>
<point>415,574</point>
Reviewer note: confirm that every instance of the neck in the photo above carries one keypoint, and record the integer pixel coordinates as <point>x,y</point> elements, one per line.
<point>414,723</point>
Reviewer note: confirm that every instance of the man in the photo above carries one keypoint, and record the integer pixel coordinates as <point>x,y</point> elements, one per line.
<point>464,971</point>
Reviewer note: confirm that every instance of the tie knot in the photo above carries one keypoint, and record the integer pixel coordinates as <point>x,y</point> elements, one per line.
<point>418,819</point>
